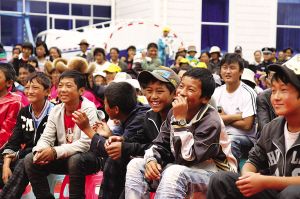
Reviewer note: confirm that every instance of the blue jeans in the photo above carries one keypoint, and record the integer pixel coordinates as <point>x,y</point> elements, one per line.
<point>176,181</point>
<point>240,146</point>
<point>76,166</point>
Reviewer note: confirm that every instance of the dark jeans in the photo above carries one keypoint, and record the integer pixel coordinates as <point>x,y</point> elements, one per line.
<point>16,184</point>
<point>240,146</point>
<point>76,166</point>
<point>114,174</point>
<point>222,186</point>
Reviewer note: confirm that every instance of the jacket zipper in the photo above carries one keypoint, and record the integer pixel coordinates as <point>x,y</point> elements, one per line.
<point>284,156</point>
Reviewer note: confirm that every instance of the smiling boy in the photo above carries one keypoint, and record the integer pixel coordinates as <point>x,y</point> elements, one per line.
<point>277,150</point>
<point>186,152</point>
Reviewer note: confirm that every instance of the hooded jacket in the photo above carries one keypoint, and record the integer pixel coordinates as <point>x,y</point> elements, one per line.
<point>269,153</point>
<point>202,143</point>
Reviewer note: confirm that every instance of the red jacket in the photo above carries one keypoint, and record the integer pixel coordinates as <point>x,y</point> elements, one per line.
<point>10,106</point>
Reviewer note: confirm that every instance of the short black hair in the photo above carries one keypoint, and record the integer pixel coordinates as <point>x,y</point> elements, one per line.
<point>8,70</point>
<point>153,80</point>
<point>289,48</point>
<point>116,49</point>
<point>99,50</point>
<point>121,94</point>
<point>27,67</point>
<point>230,58</point>
<point>285,79</point>
<point>41,78</point>
<point>41,43</point>
<point>152,45</point>
<point>131,47</point>
<point>206,78</point>
<point>78,77</point>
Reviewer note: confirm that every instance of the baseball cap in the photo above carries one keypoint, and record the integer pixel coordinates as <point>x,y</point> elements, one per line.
<point>248,75</point>
<point>238,49</point>
<point>112,68</point>
<point>163,74</point>
<point>291,69</point>
<point>266,50</point>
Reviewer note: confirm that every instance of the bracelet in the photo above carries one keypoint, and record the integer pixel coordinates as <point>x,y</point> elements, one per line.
<point>54,153</point>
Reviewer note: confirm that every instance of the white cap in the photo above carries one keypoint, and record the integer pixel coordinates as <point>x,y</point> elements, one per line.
<point>248,75</point>
<point>215,49</point>
<point>101,73</point>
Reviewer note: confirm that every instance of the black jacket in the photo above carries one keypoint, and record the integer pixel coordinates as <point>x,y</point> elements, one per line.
<point>25,132</point>
<point>132,130</point>
<point>265,111</point>
<point>269,152</point>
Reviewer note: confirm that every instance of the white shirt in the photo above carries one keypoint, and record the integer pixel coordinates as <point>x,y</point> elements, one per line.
<point>289,137</point>
<point>101,67</point>
<point>242,100</point>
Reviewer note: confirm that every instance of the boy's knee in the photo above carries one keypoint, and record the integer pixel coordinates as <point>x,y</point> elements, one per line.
<point>75,163</point>
<point>28,160</point>
<point>136,164</point>
<point>292,191</point>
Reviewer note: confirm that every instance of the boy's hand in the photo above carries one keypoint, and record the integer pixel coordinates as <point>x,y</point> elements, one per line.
<point>6,173</point>
<point>250,184</point>
<point>180,107</point>
<point>102,129</point>
<point>81,120</point>
<point>153,170</point>
<point>112,139</point>
<point>44,156</point>
<point>114,150</point>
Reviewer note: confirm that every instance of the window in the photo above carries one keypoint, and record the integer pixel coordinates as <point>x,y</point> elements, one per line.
<point>38,24</point>
<point>81,10</point>
<point>65,24</point>
<point>102,11</point>
<point>12,30</point>
<point>11,5</point>
<point>215,11</point>
<point>214,28</point>
<point>80,23</point>
<point>37,7</point>
<point>59,8</point>
<point>214,36</point>
<point>288,25</point>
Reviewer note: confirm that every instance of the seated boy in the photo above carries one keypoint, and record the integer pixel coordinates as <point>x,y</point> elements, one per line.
<point>187,150</point>
<point>10,103</point>
<point>277,150</point>
<point>64,158</point>
<point>120,104</point>
<point>31,122</point>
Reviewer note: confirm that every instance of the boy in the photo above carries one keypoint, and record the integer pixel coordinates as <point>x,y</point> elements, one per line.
<point>186,152</point>
<point>152,53</point>
<point>236,105</point>
<point>31,122</point>
<point>10,103</point>
<point>65,157</point>
<point>120,104</point>
<point>277,150</point>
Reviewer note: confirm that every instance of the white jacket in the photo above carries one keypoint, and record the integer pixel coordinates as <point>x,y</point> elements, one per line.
<point>55,128</point>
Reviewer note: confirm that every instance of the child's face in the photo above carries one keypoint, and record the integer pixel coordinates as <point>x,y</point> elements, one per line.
<point>285,99</point>
<point>68,91</point>
<point>40,51</point>
<point>99,58</point>
<point>111,112</point>
<point>35,92</point>
<point>23,75</point>
<point>231,73</point>
<point>192,53</point>
<point>110,77</point>
<point>99,80</point>
<point>158,96</point>
<point>3,86</point>
<point>152,52</point>
<point>53,53</point>
<point>191,89</point>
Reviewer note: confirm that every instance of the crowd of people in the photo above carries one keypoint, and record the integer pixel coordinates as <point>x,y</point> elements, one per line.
<point>180,128</point>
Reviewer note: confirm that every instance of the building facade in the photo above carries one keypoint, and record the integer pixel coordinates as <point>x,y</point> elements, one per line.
<point>226,23</point>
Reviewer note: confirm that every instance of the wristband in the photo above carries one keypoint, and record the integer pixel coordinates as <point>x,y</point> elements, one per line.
<point>54,153</point>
